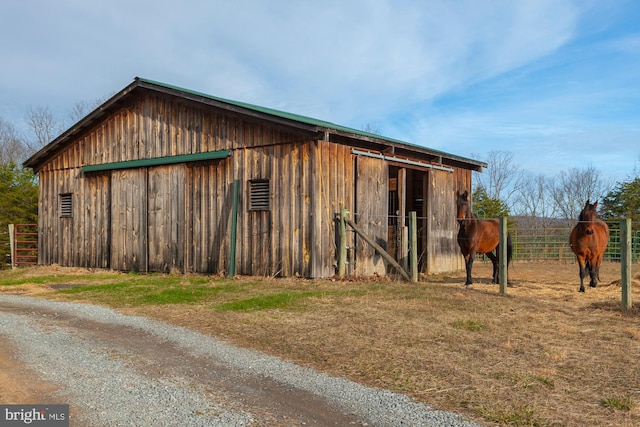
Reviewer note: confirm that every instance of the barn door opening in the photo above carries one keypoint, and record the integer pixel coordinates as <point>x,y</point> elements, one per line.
<point>407,193</point>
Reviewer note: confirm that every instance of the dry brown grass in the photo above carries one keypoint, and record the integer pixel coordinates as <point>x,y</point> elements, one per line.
<point>544,355</point>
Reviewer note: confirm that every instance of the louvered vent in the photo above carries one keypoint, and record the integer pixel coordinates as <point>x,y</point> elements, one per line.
<point>259,190</point>
<point>66,205</point>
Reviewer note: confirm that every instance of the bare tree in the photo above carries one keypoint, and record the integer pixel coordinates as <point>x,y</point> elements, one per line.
<point>533,200</point>
<point>500,177</point>
<point>371,128</point>
<point>571,189</point>
<point>82,108</point>
<point>12,146</point>
<point>43,126</point>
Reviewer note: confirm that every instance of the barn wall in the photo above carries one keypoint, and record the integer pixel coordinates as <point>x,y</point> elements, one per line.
<point>166,218</point>
<point>130,219</point>
<point>442,252</point>
<point>178,217</point>
<point>208,200</point>
<point>462,181</point>
<point>332,189</point>
<point>309,183</point>
<point>129,216</point>
<point>372,205</point>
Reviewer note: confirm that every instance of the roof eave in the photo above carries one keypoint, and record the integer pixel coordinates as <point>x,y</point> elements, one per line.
<point>317,129</point>
<point>38,158</point>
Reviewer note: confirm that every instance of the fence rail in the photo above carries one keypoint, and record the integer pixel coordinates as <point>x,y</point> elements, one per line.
<point>24,244</point>
<point>552,244</point>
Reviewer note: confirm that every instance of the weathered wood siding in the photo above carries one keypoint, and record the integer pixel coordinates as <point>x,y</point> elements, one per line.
<point>94,230</point>
<point>129,216</point>
<point>442,249</point>
<point>166,218</point>
<point>332,189</point>
<point>178,217</point>
<point>372,204</point>
<point>208,221</point>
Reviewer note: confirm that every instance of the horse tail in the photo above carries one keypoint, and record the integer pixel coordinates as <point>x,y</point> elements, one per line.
<point>509,249</point>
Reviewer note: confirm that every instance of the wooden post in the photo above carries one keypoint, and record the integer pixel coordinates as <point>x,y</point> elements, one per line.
<point>234,228</point>
<point>502,266</point>
<point>402,233</point>
<point>380,250</point>
<point>342,252</point>
<point>12,245</point>
<point>625,264</point>
<point>413,246</point>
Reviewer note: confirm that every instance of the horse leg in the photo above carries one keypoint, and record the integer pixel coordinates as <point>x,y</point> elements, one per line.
<point>583,273</point>
<point>593,273</point>
<point>469,267</point>
<point>494,261</point>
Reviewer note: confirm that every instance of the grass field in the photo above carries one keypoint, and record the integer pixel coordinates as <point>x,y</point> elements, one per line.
<point>544,355</point>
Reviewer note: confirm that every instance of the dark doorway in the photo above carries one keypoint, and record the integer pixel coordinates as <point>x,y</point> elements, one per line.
<point>407,193</point>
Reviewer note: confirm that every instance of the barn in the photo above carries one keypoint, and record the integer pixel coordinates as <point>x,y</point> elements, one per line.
<point>164,179</point>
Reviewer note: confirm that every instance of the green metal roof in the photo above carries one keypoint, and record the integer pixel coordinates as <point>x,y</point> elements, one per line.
<point>305,122</point>
<point>157,161</point>
<point>269,111</point>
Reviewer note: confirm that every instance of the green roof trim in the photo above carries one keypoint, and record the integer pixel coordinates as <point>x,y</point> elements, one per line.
<point>270,111</point>
<point>158,161</point>
<point>294,117</point>
<point>306,120</point>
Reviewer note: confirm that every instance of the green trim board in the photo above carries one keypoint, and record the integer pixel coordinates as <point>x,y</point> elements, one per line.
<point>157,161</point>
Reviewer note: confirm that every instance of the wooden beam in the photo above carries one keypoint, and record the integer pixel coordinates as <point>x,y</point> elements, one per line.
<point>380,250</point>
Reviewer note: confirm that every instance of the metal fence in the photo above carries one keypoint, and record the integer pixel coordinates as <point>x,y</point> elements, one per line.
<point>552,244</point>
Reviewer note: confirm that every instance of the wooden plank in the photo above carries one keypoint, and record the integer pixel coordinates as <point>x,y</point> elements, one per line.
<point>129,220</point>
<point>306,172</point>
<point>283,265</point>
<point>296,207</point>
<point>371,207</point>
<point>328,195</point>
<point>442,250</point>
<point>166,219</point>
<point>315,211</point>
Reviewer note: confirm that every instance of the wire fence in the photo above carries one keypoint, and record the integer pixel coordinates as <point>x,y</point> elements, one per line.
<point>552,244</point>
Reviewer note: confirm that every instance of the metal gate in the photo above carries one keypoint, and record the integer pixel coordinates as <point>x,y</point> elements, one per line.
<point>25,244</point>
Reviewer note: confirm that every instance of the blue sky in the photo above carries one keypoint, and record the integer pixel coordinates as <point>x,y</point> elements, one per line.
<point>555,82</point>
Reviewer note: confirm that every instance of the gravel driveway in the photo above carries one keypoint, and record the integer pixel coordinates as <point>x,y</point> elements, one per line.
<point>117,370</point>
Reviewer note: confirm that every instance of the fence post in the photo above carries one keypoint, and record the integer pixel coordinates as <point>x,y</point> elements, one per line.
<point>380,250</point>
<point>502,265</point>
<point>413,246</point>
<point>12,245</point>
<point>625,262</point>
<point>342,252</point>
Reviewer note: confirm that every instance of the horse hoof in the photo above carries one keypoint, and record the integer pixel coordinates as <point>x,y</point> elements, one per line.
<point>593,285</point>
<point>581,290</point>
<point>469,286</point>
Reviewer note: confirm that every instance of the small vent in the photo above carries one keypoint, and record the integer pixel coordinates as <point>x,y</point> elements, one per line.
<point>259,190</point>
<point>66,205</point>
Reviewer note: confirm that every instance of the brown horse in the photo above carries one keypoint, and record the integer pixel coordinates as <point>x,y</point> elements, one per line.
<point>478,236</point>
<point>588,241</point>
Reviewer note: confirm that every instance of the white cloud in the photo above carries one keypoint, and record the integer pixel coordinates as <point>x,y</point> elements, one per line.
<point>452,75</point>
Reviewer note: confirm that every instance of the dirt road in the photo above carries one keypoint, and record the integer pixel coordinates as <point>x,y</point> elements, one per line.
<point>56,353</point>
<point>268,401</point>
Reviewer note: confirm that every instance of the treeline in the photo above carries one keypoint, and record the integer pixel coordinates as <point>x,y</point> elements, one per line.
<point>19,186</point>
<point>505,189</point>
